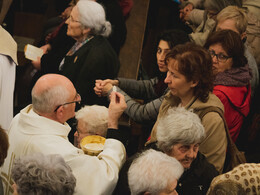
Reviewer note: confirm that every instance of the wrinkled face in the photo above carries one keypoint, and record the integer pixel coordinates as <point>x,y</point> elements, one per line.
<point>170,190</point>
<point>185,154</point>
<point>223,61</point>
<point>227,24</point>
<point>75,29</point>
<point>81,132</point>
<point>177,82</point>
<point>162,50</point>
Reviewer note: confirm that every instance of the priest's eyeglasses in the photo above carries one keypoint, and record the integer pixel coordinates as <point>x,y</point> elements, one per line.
<point>77,101</point>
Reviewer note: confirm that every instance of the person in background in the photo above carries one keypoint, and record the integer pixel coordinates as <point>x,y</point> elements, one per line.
<point>4,145</point>
<point>232,82</point>
<point>153,172</point>
<point>8,62</point>
<point>42,174</point>
<point>152,91</point>
<point>204,21</point>
<point>91,120</point>
<point>235,18</point>
<point>190,80</point>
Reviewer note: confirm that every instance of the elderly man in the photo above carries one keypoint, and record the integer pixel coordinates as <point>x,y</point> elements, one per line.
<point>179,134</point>
<point>41,127</point>
<point>154,172</point>
<point>235,18</point>
<point>91,120</point>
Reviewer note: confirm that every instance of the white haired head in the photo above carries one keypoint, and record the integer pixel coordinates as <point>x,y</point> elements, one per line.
<point>152,172</point>
<point>179,126</point>
<point>92,15</point>
<point>93,119</point>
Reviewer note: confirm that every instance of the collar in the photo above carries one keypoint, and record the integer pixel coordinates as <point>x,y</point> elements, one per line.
<point>33,124</point>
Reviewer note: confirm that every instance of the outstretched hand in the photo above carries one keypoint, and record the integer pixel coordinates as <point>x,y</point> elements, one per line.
<point>116,108</point>
<point>102,87</point>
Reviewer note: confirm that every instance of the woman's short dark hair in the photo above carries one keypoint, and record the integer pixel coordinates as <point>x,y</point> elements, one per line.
<point>195,63</point>
<point>4,145</point>
<point>231,43</point>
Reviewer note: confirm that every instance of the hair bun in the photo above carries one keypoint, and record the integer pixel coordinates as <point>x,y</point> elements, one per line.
<point>106,29</point>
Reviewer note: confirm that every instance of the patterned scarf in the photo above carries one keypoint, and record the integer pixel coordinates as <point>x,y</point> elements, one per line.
<point>235,77</point>
<point>77,45</point>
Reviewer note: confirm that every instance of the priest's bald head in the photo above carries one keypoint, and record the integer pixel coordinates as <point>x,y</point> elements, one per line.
<point>55,97</point>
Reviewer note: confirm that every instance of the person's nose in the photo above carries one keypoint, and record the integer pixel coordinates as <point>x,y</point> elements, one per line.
<point>67,21</point>
<point>167,80</point>
<point>191,153</point>
<point>214,59</point>
<point>162,56</point>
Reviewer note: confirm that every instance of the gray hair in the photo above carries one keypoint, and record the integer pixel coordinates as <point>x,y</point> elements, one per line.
<point>48,99</point>
<point>179,126</point>
<point>39,175</point>
<point>218,5</point>
<point>92,15</point>
<point>239,15</point>
<point>94,119</point>
<point>152,172</point>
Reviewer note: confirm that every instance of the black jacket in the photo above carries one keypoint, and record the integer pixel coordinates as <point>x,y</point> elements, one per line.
<point>196,180</point>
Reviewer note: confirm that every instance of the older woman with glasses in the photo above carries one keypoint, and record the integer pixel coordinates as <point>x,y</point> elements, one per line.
<point>232,82</point>
<point>90,58</point>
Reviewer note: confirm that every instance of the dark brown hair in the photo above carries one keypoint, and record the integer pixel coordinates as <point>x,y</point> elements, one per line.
<point>4,145</point>
<point>195,63</point>
<point>231,43</point>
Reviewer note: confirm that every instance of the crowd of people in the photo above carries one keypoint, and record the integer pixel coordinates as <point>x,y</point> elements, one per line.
<point>206,85</point>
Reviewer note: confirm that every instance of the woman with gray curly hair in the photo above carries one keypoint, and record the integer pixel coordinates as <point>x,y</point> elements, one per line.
<point>179,134</point>
<point>40,175</point>
<point>185,128</point>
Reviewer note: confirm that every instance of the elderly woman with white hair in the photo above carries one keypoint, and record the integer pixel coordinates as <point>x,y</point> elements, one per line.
<point>91,120</point>
<point>40,174</point>
<point>90,58</point>
<point>179,135</point>
<point>154,172</point>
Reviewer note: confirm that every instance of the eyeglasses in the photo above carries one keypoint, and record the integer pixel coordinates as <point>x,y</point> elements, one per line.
<point>72,20</point>
<point>220,57</point>
<point>77,102</point>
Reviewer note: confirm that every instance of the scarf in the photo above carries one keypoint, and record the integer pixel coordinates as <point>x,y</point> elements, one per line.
<point>235,77</point>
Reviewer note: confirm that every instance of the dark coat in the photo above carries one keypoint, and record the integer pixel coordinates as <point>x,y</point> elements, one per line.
<point>94,60</point>
<point>197,179</point>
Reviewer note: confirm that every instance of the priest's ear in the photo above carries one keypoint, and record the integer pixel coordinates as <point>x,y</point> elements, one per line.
<point>59,113</point>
